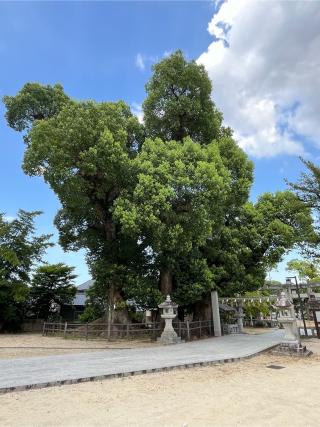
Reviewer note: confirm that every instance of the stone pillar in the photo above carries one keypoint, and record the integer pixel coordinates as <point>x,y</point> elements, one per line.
<point>215,314</point>
<point>240,316</point>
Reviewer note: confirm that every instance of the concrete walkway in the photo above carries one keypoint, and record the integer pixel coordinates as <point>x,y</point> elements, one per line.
<point>37,372</point>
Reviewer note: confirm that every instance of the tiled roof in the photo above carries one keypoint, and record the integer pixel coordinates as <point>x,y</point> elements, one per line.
<point>80,298</point>
<point>86,285</point>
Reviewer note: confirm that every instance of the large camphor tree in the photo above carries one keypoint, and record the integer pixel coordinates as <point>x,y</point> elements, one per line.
<point>248,239</point>
<point>178,201</point>
<point>159,207</point>
<point>83,150</point>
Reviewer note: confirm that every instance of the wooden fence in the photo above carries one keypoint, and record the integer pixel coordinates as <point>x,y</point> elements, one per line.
<point>196,329</point>
<point>32,325</point>
<point>271,323</point>
<point>186,330</point>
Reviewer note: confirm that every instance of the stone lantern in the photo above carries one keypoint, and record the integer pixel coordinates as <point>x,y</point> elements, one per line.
<point>291,343</point>
<point>168,313</point>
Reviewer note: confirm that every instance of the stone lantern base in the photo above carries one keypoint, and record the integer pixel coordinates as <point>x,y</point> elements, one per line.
<point>169,338</point>
<point>292,349</point>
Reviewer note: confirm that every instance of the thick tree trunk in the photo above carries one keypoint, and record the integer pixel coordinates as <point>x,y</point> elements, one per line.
<point>181,313</point>
<point>166,282</point>
<point>110,310</point>
<point>110,230</point>
<point>202,309</point>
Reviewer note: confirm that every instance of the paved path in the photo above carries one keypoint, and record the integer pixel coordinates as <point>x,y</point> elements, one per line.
<point>36,372</point>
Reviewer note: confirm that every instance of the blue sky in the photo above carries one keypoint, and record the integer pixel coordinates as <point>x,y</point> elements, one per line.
<point>104,51</point>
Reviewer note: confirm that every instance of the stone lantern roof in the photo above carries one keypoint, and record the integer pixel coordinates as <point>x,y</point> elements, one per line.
<point>168,303</point>
<point>283,301</point>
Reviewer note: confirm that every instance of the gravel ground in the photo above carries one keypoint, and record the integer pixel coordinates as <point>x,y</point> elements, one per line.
<point>27,345</point>
<point>245,393</point>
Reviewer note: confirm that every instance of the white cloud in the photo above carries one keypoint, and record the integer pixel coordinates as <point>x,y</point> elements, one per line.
<point>140,63</point>
<point>143,61</point>
<point>167,53</point>
<point>265,68</point>
<point>9,218</point>
<point>137,111</point>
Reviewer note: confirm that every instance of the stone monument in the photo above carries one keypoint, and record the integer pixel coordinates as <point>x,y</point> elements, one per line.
<point>291,344</point>
<point>239,316</point>
<point>169,312</point>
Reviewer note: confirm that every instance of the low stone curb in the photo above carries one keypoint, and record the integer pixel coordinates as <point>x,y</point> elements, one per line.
<point>4,390</point>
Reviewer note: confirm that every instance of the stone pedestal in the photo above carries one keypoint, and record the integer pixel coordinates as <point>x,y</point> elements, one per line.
<point>169,335</point>
<point>239,317</point>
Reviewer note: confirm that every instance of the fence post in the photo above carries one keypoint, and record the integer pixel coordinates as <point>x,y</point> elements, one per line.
<point>200,329</point>
<point>65,329</point>
<point>188,330</point>
<point>86,331</point>
<point>154,331</point>
<point>44,329</point>
<point>179,326</point>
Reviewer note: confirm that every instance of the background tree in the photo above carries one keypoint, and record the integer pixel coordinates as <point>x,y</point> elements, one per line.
<point>308,191</point>
<point>51,285</point>
<point>308,271</point>
<point>255,308</point>
<point>20,250</point>
<point>256,241</point>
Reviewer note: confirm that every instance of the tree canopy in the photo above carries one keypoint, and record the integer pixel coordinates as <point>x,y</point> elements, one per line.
<point>33,102</point>
<point>179,104</point>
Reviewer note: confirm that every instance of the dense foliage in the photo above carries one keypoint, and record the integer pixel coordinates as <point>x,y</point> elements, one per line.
<point>179,104</point>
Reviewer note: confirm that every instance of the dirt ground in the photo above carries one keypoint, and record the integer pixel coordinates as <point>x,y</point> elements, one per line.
<point>34,344</point>
<point>28,345</point>
<point>246,393</point>
<point>256,331</point>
